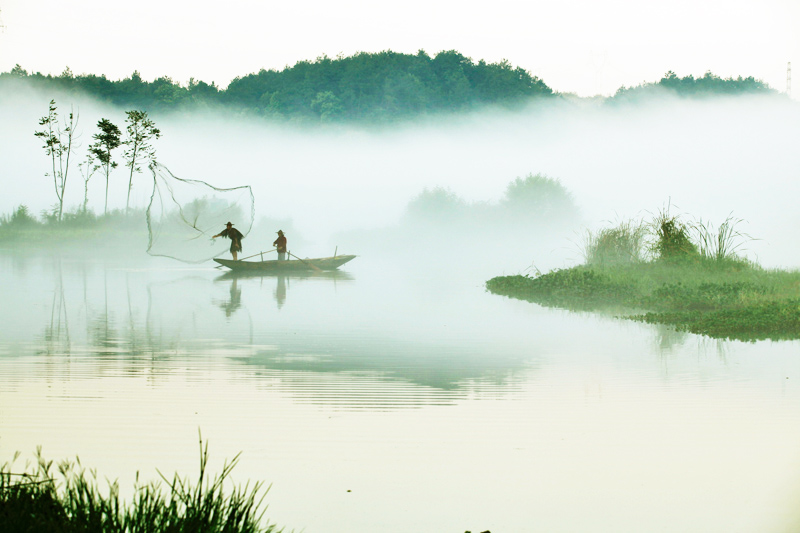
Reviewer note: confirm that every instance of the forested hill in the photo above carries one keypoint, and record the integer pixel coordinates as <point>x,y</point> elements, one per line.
<point>707,85</point>
<point>372,86</point>
<point>375,87</point>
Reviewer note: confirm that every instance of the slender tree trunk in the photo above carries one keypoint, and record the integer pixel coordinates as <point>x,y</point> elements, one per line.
<point>130,179</point>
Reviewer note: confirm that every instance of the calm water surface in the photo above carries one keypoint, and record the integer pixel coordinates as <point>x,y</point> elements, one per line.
<point>395,398</point>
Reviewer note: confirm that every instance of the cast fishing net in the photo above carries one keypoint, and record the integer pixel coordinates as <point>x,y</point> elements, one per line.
<point>184,214</point>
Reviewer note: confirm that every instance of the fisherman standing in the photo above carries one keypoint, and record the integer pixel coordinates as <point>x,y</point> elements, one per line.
<point>234,235</point>
<point>280,243</point>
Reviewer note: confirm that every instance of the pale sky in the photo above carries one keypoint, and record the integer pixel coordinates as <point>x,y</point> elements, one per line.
<point>583,46</point>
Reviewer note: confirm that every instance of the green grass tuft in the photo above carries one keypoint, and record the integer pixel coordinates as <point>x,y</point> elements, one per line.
<point>66,499</point>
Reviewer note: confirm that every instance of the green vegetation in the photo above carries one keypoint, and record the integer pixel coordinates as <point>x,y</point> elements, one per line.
<point>22,228</point>
<point>535,199</point>
<point>38,499</point>
<point>59,147</point>
<point>366,86</point>
<point>374,87</point>
<point>671,272</point>
<point>58,141</point>
<point>707,85</point>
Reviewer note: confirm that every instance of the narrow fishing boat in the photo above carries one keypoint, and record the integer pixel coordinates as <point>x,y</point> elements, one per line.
<point>289,265</point>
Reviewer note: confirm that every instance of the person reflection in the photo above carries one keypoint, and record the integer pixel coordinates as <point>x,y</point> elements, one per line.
<point>280,291</point>
<point>235,302</point>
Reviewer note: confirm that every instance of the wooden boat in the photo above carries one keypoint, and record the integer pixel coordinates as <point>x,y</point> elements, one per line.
<point>289,265</point>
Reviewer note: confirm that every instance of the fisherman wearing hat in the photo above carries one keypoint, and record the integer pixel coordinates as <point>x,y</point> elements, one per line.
<point>234,235</point>
<point>280,243</point>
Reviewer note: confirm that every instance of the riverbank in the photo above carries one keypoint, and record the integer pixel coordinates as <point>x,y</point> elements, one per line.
<point>116,229</point>
<point>721,299</point>
<point>669,271</point>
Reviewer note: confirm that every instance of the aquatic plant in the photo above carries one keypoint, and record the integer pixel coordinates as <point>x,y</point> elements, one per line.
<point>672,237</point>
<point>622,244</point>
<point>704,288</point>
<point>722,244</point>
<point>39,499</point>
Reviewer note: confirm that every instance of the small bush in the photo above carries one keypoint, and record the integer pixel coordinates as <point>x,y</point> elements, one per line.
<point>672,242</point>
<point>623,244</point>
<point>20,218</point>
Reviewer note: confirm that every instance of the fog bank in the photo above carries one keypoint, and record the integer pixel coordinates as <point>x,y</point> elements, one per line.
<point>707,158</point>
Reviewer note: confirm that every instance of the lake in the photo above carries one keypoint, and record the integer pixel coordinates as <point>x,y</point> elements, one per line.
<point>393,396</point>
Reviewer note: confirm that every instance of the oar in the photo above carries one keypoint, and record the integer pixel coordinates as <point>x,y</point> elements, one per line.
<point>259,253</point>
<point>248,257</point>
<point>314,267</point>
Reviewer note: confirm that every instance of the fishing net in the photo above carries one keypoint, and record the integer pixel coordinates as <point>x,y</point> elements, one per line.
<point>183,215</point>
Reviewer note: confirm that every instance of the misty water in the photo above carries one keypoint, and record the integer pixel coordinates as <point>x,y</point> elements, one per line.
<point>396,395</point>
<point>399,395</point>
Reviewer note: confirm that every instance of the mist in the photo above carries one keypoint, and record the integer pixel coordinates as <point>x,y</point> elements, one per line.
<point>350,185</point>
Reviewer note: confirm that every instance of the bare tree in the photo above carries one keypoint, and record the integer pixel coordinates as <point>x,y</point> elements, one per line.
<point>87,168</point>
<point>140,131</point>
<point>58,142</point>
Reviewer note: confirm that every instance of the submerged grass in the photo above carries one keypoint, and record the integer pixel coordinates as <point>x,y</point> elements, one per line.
<point>67,501</point>
<point>705,289</point>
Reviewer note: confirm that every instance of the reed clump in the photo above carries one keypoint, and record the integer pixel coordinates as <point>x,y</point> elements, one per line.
<point>619,245</point>
<point>65,498</point>
<point>688,275</point>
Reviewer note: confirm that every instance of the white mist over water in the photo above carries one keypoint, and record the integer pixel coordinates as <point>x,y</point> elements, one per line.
<point>707,158</point>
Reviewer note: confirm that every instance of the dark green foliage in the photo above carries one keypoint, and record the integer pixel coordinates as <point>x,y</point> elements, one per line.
<point>704,296</point>
<point>776,320</point>
<point>366,86</point>
<point>107,140</point>
<point>708,85</point>
<point>140,132</point>
<point>672,242</point>
<point>33,501</point>
<point>574,288</point>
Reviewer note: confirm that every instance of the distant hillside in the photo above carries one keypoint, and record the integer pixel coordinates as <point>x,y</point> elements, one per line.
<point>374,87</point>
<point>689,86</point>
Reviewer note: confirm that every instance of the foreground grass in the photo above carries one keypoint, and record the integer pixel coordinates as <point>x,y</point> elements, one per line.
<point>729,298</point>
<point>38,500</point>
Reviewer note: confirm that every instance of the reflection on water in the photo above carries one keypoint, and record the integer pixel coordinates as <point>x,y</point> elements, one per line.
<point>233,303</point>
<point>282,281</point>
<point>402,386</point>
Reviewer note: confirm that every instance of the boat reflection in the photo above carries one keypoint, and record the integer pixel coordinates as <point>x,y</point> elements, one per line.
<point>230,305</point>
<point>282,283</point>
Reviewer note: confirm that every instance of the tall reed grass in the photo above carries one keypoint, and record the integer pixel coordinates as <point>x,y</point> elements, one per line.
<point>722,243</point>
<point>66,499</point>
<point>620,245</point>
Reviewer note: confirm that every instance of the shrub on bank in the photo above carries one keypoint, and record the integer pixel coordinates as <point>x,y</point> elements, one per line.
<point>703,288</point>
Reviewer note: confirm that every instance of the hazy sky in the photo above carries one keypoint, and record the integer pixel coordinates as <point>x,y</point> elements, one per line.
<point>582,46</point>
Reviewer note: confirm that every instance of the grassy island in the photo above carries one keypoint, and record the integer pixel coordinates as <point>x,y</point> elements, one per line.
<point>687,275</point>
